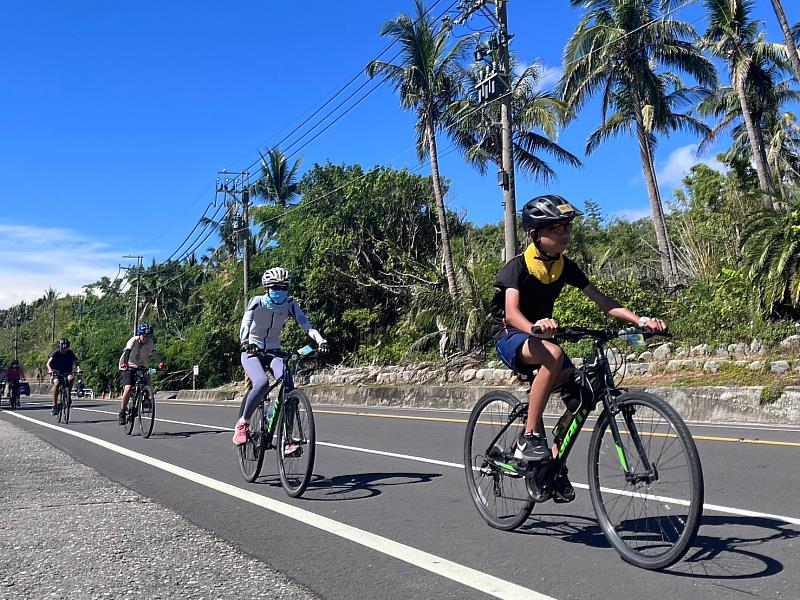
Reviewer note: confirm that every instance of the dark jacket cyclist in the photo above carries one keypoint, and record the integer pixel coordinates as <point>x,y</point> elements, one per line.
<point>526,289</point>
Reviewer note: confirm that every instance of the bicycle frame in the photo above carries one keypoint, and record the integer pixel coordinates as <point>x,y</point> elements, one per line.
<point>605,395</point>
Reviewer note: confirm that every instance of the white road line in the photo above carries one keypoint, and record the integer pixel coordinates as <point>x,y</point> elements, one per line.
<point>437,565</point>
<point>714,507</point>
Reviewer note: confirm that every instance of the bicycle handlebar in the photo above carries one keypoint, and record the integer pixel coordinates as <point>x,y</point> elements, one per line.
<point>574,334</point>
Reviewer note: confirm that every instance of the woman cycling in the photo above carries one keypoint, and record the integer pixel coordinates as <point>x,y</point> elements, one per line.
<point>259,337</point>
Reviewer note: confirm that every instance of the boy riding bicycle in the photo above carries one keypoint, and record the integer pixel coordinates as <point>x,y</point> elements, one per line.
<point>259,337</point>
<point>526,289</point>
<point>136,354</point>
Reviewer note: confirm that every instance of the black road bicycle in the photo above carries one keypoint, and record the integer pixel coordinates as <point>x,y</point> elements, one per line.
<point>290,420</point>
<point>64,397</point>
<point>645,476</point>
<point>141,405</point>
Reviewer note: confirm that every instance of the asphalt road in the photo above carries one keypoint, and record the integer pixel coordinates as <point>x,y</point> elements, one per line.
<point>388,515</point>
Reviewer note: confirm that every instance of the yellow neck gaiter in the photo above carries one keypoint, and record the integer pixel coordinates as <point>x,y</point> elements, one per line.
<point>538,268</point>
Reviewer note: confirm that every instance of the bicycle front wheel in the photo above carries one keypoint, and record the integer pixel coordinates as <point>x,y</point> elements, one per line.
<point>147,413</point>
<point>251,453</point>
<point>296,443</point>
<point>67,406</point>
<point>62,405</point>
<point>498,490</point>
<point>133,407</point>
<point>649,512</point>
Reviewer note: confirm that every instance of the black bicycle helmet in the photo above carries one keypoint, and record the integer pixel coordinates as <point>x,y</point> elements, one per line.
<point>63,343</point>
<point>547,210</point>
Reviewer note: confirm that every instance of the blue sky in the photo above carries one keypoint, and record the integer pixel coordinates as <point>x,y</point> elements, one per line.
<point>116,118</point>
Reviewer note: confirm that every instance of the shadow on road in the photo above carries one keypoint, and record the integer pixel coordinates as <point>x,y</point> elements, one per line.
<point>185,434</point>
<point>739,552</point>
<point>352,487</point>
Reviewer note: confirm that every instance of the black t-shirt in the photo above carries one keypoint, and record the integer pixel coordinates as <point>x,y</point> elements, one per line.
<point>536,299</point>
<point>63,362</point>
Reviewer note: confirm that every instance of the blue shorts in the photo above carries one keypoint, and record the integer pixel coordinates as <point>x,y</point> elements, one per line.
<point>509,344</point>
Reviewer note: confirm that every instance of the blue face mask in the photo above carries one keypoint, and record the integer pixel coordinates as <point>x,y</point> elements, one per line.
<point>278,296</point>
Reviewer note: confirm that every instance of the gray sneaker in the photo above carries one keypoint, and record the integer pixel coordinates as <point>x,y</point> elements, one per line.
<point>531,448</point>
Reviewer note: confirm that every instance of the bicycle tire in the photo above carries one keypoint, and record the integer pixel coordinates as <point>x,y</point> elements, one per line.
<point>296,428</point>
<point>501,499</point>
<point>251,453</point>
<point>131,412</point>
<point>61,403</point>
<point>67,405</point>
<point>675,495</point>
<point>147,414</point>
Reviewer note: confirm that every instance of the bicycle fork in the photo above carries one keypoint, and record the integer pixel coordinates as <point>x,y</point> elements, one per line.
<point>650,472</point>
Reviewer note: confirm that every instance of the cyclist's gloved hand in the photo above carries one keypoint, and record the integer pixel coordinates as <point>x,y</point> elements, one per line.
<point>162,366</point>
<point>125,366</point>
<point>324,347</point>
<point>253,349</point>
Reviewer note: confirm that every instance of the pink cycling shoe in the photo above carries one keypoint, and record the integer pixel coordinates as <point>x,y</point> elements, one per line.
<point>241,431</point>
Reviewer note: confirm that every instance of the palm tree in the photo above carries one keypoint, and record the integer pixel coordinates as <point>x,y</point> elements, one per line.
<point>768,97</point>
<point>788,34</point>
<point>771,247</point>
<point>734,38</point>
<point>621,48</point>
<point>278,187</point>
<point>427,80</point>
<point>278,184</point>
<point>478,132</point>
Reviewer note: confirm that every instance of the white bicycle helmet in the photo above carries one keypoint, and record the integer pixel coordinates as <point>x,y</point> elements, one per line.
<point>274,276</point>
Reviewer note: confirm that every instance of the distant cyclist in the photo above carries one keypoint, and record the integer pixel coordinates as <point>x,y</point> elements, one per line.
<point>62,360</point>
<point>136,354</point>
<point>259,338</point>
<point>14,374</point>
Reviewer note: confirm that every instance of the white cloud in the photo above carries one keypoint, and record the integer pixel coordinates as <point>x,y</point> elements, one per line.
<point>548,76</point>
<point>678,163</point>
<point>631,214</point>
<point>33,259</point>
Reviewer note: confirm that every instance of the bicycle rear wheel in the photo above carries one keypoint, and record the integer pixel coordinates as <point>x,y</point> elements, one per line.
<point>133,407</point>
<point>251,453</point>
<point>651,517</point>
<point>296,444</point>
<point>147,413</point>
<point>497,489</point>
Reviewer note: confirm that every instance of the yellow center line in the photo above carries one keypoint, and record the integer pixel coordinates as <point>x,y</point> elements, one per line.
<point>347,413</point>
<point>705,438</point>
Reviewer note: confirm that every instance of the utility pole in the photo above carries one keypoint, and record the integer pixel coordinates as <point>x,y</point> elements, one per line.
<point>239,191</point>
<point>494,85</point>
<point>506,178</point>
<point>138,284</point>
<point>19,315</point>
<point>77,308</point>
<point>246,235</point>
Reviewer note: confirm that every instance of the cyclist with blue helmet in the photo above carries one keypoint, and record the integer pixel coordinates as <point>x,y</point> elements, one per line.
<point>137,353</point>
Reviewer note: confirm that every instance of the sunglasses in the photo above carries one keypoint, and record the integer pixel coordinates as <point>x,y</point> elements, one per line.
<point>560,228</point>
<point>281,286</point>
